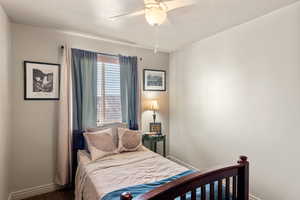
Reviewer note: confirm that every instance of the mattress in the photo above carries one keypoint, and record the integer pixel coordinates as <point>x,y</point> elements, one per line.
<point>95,179</point>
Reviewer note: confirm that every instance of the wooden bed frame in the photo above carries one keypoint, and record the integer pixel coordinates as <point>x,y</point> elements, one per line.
<point>235,177</point>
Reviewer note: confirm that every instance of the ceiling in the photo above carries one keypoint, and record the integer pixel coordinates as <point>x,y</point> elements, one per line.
<point>184,26</point>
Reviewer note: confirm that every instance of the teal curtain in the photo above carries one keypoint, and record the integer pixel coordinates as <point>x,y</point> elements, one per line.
<point>84,75</point>
<point>129,90</point>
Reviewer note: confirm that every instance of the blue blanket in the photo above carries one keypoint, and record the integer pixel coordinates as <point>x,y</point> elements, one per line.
<point>143,188</point>
<point>138,190</point>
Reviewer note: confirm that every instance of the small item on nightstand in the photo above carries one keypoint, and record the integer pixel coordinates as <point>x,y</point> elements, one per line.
<point>155,127</point>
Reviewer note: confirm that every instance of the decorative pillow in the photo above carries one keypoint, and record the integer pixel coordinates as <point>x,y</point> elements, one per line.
<point>113,126</point>
<point>129,140</point>
<point>100,143</point>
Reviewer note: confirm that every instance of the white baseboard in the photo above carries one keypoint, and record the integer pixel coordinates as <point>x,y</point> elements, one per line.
<point>187,165</point>
<point>251,197</point>
<point>34,191</point>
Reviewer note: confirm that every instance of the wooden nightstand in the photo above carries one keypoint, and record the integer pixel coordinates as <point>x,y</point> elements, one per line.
<point>153,139</point>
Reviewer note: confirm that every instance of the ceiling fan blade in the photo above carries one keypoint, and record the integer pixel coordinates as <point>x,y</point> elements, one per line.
<point>129,14</point>
<point>175,4</point>
<point>167,22</point>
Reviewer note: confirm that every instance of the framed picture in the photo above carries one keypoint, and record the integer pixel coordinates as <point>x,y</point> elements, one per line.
<point>155,127</point>
<point>154,80</point>
<point>41,81</point>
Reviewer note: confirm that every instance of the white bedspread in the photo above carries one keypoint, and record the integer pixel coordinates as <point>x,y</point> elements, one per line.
<point>96,179</point>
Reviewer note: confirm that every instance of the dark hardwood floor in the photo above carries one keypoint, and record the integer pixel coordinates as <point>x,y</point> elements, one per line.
<point>57,195</point>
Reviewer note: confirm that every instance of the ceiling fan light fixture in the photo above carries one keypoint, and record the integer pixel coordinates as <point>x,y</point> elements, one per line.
<point>155,15</point>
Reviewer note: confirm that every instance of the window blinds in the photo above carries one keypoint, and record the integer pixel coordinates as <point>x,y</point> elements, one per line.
<point>108,90</point>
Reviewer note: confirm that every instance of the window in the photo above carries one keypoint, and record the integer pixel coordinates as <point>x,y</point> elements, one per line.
<point>108,90</point>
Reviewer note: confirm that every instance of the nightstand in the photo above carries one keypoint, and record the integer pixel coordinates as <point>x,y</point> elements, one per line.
<point>154,139</point>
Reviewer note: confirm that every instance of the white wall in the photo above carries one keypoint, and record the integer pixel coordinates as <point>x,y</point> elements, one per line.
<point>35,122</point>
<point>5,111</point>
<point>238,92</point>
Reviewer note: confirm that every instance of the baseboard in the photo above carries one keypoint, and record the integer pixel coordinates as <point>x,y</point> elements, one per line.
<point>187,165</point>
<point>252,197</point>
<point>34,191</point>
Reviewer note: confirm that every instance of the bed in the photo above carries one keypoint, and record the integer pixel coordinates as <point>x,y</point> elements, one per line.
<point>96,179</point>
<point>145,175</point>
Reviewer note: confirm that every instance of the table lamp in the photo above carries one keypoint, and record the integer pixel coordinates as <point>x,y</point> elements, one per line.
<point>153,106</point>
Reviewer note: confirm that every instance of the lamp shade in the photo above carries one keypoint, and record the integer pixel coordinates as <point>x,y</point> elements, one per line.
<point>152,105</point>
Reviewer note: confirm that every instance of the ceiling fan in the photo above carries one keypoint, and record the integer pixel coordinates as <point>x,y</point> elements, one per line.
<point>156,11</point>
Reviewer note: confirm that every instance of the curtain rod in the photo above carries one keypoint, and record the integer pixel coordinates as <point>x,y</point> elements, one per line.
<point>105,54</point>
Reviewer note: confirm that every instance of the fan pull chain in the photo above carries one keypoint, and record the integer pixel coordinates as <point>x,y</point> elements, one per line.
<point>156,39</point>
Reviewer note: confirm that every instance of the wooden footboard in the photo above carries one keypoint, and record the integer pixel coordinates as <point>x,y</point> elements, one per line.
<point>234,178</point>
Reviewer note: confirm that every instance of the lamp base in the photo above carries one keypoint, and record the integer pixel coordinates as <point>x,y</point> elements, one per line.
<point>154,117</point>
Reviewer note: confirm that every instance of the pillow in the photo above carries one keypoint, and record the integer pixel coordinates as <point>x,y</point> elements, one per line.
<point>100,143</point>
<point>113,126</point>
<point>129,140</point>
<point>83,157</point>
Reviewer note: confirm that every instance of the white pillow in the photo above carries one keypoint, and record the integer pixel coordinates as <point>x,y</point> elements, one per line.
<point>83,157</point>
<point>129,140</point>
<point>113,126</point>
<point>100,143</point>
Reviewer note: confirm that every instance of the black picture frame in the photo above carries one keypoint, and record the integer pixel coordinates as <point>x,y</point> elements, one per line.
<point>26,79</point>
<point>155,127</point>
<point>154,70</point>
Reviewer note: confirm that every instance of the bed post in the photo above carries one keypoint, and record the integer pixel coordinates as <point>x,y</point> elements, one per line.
<point>243,179</point>
<point>126,196</point>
